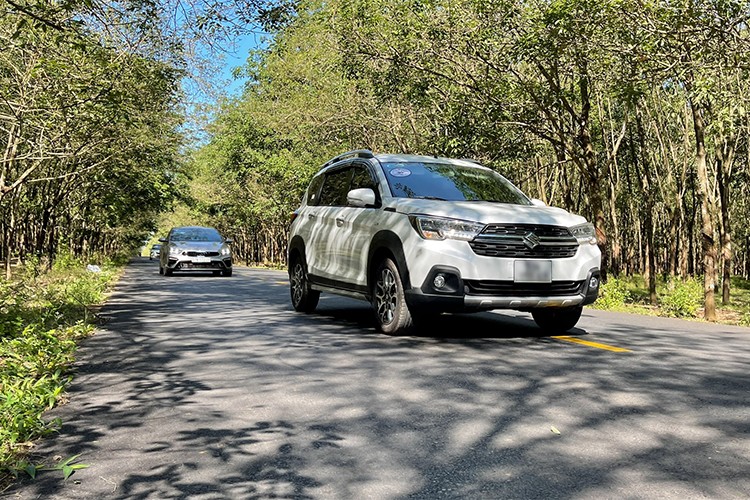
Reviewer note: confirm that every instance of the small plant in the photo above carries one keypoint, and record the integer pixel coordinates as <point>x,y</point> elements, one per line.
<point>67,467</point>
<point>65,261</point>
<point>681,298</point>
<point>613,294</point>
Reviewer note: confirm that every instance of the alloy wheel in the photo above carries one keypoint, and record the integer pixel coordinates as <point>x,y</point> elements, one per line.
<point>297,283</point>
<point>386,296</point>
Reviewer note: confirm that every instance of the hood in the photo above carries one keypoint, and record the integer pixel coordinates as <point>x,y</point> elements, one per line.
<point>487,212</point>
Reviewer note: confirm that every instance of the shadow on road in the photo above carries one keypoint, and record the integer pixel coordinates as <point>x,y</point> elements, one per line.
<point>211,387</point>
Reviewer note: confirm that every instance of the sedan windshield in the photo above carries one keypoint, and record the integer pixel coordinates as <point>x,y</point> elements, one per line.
<point>195,234</point>
<point>445,181</point>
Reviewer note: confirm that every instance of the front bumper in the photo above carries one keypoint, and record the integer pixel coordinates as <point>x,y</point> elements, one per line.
<point>192,263</point>
<point>458,294</point>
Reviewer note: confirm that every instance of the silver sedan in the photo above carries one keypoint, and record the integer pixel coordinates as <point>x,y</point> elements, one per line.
<point>195,248</point>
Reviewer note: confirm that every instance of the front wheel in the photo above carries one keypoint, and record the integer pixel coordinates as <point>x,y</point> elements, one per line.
<point>388,299</point>
<point>554,320</point>
<point>303,298</point>
<point>227,273</point>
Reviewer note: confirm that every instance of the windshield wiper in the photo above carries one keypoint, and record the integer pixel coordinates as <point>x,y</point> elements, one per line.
<point>429,198</point>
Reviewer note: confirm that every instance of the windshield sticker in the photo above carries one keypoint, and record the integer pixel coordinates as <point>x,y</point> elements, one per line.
<point>400,172</point>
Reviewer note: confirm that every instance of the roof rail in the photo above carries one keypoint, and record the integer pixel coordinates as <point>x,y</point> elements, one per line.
<point>357,153</point>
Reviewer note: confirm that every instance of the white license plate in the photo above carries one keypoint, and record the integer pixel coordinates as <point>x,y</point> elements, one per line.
<point>201,260</point>
<point>532,271</point>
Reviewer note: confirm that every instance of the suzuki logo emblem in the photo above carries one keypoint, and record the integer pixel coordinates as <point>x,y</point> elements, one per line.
<point>531,241</point>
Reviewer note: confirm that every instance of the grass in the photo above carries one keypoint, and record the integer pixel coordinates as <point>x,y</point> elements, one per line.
<point>43,316</point>
<point>676,298</point>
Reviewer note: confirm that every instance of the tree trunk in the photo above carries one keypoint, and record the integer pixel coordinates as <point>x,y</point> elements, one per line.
<point>725,161</point>
<point>708,245</point>
<point>648,216</point>
<point>593,173</point>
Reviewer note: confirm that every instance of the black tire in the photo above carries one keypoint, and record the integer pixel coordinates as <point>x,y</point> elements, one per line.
<point>303,298</point>
<point>557,320</point>
<point>227,273</point>
<point>168,271</point>
<point>391,312</point>
<point>161,270</point>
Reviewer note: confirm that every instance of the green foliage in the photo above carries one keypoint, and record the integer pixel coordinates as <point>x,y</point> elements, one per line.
<point>581,103</point>
<point>42,317</point>
<point>613,295</point>
<point>90,129</point>
<point>681,298</point>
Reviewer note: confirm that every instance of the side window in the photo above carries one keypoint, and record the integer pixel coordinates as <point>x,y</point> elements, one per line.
<point>363,179</point>
<point>335,187</point>
<point>313,191</point>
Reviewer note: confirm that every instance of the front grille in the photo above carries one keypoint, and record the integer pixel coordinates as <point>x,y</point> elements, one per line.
<point>200,265</point>
<point>512,289</point>
<point>508,240</point>
<point>521,230</point>
<point>201,254</point>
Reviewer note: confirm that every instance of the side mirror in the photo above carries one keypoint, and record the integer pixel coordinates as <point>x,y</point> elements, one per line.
<point>229,240</point>
<point>362,197</point>
<point>538,203</point>
<point>163,240</point>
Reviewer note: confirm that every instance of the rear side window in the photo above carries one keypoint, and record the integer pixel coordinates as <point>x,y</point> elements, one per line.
<point>335,187</point>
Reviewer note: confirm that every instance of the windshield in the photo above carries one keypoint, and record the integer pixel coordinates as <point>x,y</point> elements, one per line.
<point>195,234</point>
<point>445,181</point>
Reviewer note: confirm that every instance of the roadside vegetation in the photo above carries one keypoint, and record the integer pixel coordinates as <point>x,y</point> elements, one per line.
<point>677,298</point>
<point>43,316</point>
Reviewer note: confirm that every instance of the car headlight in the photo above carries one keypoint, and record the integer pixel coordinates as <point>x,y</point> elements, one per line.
<point>440,228</point>
<point>225,250</point>
<point>174,251</point>
<point>584,233</point>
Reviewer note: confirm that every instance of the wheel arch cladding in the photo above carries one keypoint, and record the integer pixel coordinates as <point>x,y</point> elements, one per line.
<point>387,244</point>
<point>296,247</point>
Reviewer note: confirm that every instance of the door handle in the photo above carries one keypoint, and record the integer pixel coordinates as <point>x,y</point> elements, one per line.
<point>339,221</point>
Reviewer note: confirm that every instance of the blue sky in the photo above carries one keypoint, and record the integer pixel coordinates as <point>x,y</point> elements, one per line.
<point>238,57</point>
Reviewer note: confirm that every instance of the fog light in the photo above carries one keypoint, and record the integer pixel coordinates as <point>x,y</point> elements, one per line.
<point>439,281</point>
<point>594,282</point>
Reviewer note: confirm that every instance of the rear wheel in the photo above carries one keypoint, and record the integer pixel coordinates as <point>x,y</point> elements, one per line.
<point>388,299</point>
<point>303,298</point>
<point>554,320</point>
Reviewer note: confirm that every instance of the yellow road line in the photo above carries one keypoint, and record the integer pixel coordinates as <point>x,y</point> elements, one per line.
<point>576,340</point>
<point>281,282</point>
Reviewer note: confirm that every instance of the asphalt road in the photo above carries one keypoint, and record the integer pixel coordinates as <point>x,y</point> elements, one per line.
<point>208,388</point>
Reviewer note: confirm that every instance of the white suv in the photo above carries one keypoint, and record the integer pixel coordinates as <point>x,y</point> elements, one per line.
<point>418,236</point>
